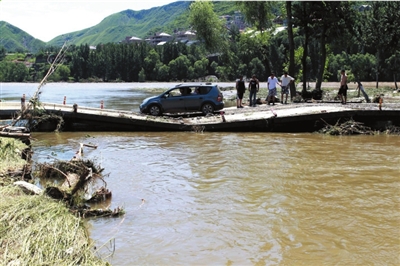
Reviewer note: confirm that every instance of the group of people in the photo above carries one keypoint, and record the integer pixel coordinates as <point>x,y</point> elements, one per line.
<point>254,86</point>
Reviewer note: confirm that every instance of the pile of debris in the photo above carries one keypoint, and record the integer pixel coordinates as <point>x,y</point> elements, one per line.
<point>351,127</point>
<point>70,181</point>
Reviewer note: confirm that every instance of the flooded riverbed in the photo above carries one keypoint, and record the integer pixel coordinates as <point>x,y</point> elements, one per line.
<point>232,198</point>
<point>244,199</point>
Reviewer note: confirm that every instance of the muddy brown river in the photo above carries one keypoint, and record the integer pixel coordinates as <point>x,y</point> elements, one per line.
<point>240,198</point>
<point>244,199</point>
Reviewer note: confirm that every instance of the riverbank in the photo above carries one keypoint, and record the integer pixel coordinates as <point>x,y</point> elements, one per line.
<point>37,230</point>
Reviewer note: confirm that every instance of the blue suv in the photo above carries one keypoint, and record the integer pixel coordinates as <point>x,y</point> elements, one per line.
<point>188,97</point>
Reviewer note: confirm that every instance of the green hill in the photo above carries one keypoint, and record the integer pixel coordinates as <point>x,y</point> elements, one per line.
<point>116,27</point>
<point>15,39</point>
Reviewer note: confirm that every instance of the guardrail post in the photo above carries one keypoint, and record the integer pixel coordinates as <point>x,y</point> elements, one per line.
<point>23,103</point>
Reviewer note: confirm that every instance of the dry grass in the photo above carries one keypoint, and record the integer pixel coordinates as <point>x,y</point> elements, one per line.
<point>10,155</point>
<point>35,230</point>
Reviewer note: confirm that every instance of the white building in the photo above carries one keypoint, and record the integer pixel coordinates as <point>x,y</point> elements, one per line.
<point>159,37</point>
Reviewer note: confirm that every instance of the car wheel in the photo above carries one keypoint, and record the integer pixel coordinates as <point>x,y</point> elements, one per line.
<point>207,108</point>
<point>155,110</point>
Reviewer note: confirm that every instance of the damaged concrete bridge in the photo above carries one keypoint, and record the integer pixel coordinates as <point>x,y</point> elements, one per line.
<point>295,117</point>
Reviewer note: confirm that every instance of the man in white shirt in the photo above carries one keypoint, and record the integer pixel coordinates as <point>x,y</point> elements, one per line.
<point>272,81</point>
<point>285,81</point>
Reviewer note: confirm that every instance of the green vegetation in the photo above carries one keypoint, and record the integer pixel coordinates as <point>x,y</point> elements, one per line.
<point>38,230</point>
<point>325,38</point>
<point>35,230</point>
<point>15,40</point>
<point>10,155</point>
<point>116,27</point>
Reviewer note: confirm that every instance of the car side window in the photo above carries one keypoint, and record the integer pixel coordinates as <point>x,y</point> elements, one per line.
<point>204,90</point>
<point>185,91</point>
<point>175,93</point>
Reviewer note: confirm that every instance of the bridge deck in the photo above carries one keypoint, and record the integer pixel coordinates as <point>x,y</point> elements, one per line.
<point>302,117</point>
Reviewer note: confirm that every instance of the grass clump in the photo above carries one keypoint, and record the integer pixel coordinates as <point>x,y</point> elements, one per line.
<point>11,155</point>
<point>37,231</point>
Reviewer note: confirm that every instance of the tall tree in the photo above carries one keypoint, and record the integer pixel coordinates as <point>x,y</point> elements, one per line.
<point>208,26</point>
<point>331,20</point>
<point>302,19</point>
<point>290,37</point>
<point>258,13</point>
<point>381,30</point>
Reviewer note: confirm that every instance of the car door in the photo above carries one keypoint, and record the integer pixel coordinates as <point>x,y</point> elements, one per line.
<point>193,100</point>
<point>173,101</point>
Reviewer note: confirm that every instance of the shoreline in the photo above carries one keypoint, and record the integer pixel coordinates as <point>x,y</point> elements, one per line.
<point>299,86</point>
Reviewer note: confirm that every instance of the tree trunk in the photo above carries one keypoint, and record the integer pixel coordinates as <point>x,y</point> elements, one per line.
<point>291,38</point>
<point>377,68</point>
<point>305,51</point>
<point>394,74</point>
<point>304,60</point>
<point>322,61</point>
<point>291,47</point>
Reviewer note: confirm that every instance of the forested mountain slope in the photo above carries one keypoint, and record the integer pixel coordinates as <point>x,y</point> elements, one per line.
<point>15,39</point>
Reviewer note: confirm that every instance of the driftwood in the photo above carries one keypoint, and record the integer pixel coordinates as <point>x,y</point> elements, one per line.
<point>28,187</point>
<point>78,175</point>
<point>86,213</point>
<point>15,135</point>
<point>349,127</point>
<point>90,145</point>
<point>20,133</point>
<point>100,195</point>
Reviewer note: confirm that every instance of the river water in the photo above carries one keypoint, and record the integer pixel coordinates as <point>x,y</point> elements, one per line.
<point>238,198</point>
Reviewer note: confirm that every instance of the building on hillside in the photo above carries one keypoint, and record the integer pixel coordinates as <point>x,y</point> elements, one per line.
<point>236,19</point>
<point>280,20</point>
<point>159,38</point>
<point>363,8</point>
<point>185,36</point>
<point>239,21</point>
<point>132,39</point>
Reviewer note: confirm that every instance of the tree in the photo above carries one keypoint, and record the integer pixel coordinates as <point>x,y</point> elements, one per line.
<point>392,62</point>
<point>291,67</point>
<point>331,22</point>
<point>3,52</point>
<point>163,73</point>
<point>13,72</point>
<point>208,26</point>
<point>381,31</point>
<point>257,67</point>
<point>142,75</point>
<point>150,64</point>
<point>179,68</point>
<point>200,68</point>
<point>258,13</point>
<point>63,72</point>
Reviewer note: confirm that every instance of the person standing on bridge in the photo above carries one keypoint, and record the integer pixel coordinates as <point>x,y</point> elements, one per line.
<point>254,86</point>
<point>23,106</point>
<point>285,84</point>
<point>272,81</point>
<point>240,88</point>
<point>343,87</point>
